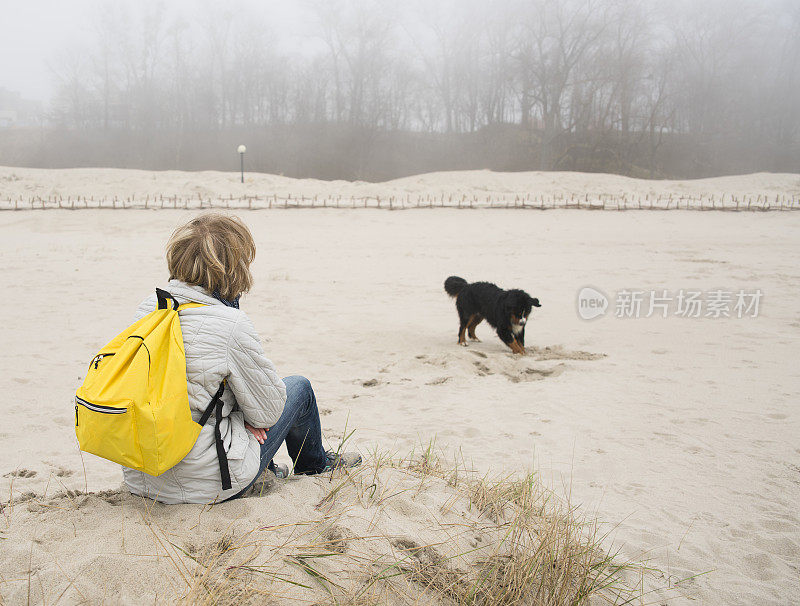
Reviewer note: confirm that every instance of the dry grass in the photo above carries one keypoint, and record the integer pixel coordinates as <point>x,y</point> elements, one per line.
<point>495,542</point>
<point>398,531</point>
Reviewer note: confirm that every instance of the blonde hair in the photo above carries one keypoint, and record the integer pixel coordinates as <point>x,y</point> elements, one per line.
<point>213,251</point>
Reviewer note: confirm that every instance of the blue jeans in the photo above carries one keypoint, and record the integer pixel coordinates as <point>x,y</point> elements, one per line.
<point>300,427</point>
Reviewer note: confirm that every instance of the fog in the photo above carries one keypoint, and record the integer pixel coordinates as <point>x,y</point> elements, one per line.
<point>372,90</point>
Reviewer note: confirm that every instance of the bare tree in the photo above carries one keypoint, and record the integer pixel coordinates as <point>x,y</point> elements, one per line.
<point>74,102</point>
<point>688,88</point>
<point>556,36</point>
<point>357,35</point>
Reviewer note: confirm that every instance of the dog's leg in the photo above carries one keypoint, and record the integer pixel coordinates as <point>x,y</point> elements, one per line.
<point>461,330</point>
<point>510,340</point>
<point>473,322</point>
<point>517,348</point>
<point>521,340</point>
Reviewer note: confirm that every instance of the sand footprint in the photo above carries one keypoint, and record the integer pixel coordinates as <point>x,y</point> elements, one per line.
<point>483,370</point>
<point>424,554</point>
<point>215,553</point>
<point>438,381</point>
<point>557,352</point>
<point>336,539</point>
<point>534,374</point>
<point>20,473</point>
<point>475,540</point>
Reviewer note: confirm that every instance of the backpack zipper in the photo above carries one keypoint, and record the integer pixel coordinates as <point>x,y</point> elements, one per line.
<point>109,410</point>
<point>96,360</point>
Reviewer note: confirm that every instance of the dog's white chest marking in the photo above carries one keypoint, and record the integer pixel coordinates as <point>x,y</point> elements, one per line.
<point>516,328</point>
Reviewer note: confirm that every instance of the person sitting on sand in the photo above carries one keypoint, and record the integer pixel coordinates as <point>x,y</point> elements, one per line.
<point>209,262</point>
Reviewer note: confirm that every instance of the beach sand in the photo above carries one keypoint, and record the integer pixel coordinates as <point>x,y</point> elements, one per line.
<point>110,183</point>
<point>679,434</point>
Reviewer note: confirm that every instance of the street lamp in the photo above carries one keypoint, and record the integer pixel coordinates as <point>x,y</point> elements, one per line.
<point>241,151</point>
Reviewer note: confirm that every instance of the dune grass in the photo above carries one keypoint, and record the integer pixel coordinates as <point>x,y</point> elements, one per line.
<point>419,529</point>
<point>489,541</point>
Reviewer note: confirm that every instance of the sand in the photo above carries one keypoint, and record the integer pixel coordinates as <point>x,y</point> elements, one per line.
<point>108,183</point>
<point>680,435</point>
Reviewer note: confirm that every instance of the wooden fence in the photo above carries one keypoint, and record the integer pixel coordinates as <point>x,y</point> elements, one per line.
<point>726,202</point>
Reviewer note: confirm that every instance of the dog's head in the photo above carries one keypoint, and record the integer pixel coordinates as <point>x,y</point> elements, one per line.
<point>518,306</point>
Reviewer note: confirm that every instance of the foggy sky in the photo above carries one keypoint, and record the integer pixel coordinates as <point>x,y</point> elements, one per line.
<point>33,31</point>
<point>351,88</point>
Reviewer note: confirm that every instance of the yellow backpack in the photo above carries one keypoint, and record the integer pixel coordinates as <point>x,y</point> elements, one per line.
<point>133,406</point>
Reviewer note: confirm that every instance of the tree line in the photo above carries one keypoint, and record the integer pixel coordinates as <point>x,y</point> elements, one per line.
<point>378,89</point>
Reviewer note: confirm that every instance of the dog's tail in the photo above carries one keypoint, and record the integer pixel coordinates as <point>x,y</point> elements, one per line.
<point>454,285</point>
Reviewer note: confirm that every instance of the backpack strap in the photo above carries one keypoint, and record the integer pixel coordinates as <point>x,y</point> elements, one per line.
<point>216,403</point>
<point>216,407</point>
<point>162,296</point>
<point>190,306</point>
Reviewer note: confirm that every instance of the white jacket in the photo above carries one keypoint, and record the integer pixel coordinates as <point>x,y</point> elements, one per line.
<point>221,343</point>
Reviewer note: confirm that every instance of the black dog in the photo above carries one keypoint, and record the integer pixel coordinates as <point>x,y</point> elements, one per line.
<point>506,310</point>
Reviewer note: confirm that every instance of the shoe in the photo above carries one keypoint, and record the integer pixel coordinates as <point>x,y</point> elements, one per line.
<point>280,471</point>
<point>335,461</point>
<point>342,459</point>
